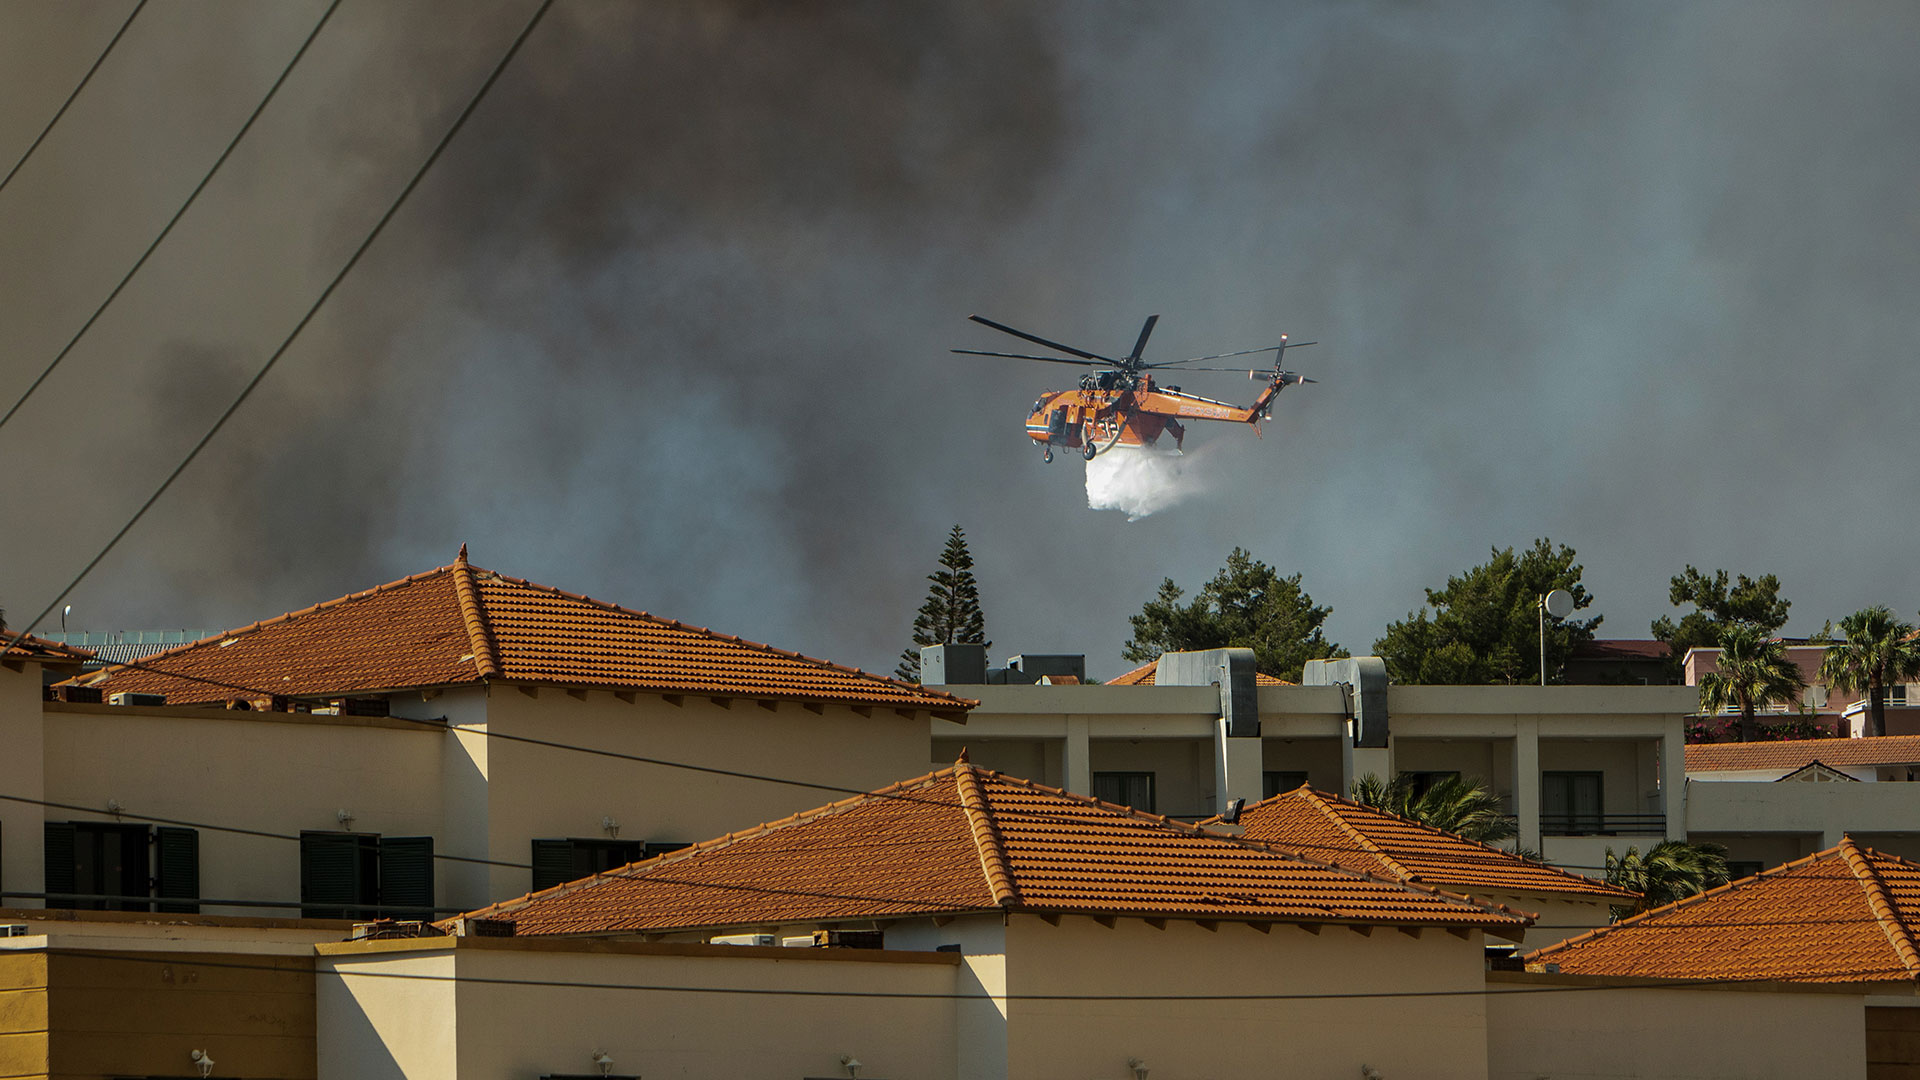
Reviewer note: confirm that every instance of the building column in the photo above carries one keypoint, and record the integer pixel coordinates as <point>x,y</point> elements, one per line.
<point>1358,761</point>
<point>1526,781</point>
<point>1673,779</point>
<point>1076,757</point>
<point>1237,765</point>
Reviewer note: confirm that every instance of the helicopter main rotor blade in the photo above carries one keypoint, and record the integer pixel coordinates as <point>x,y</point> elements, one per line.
<point>1250,372</point>
<point>1138,346</point>
<point>1237,352</point>
<point>1037,340</point>
<point>1024,356</point>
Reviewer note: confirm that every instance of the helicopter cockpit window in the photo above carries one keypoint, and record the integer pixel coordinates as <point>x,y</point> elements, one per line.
<point>1039,404</point>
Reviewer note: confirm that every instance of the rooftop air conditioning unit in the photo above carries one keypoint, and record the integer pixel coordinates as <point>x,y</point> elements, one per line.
<point>128,697</point>
<point>81,695</point>
<point>470,927</point>
<point>744,939</point>
<point>837,939</point>
<point>388,929</point>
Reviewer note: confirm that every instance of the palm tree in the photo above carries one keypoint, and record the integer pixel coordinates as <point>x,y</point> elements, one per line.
<point>1879,652</point>
<point>1671,870</point>
<point>1752,671</point>
<point>1466,808</point>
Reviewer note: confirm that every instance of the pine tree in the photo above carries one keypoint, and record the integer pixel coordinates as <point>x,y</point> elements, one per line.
<point>951,615</point>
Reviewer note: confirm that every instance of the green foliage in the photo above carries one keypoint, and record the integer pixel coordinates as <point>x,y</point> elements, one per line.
<point>1879,651</point>
<point>1246,605</point>
<point>1752,672</point>
<point>1484,627</point>
<point>1670,871</point>
<point>951,615</point>
<point>1718,604</point>
<point>1466,808</point>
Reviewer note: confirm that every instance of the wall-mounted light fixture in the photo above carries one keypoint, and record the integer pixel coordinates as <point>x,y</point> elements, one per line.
<point>605,1061</point>
<point>345,818</point>
<point>611,826</point>
<point>852,1065</point>
<point>204,1060</point>
<point>1139,1067</point>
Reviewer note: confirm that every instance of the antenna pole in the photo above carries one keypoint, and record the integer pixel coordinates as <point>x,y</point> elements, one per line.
<point>1541,603</point>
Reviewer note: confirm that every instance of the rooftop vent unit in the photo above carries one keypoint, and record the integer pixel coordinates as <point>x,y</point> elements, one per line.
<point>81,695</point>
<point>471,927</point>
<point>837,939</point>
<point>129,697</point>
<point>392,929</point>
<point>744,939</point>
<point>364,706</point>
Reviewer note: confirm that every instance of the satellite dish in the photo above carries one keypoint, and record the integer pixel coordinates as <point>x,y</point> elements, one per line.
<point>1559,603</point>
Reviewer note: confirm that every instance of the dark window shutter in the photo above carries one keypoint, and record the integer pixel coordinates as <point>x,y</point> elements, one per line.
<point>406,876</point>
<point>552,863</point>
<point>176,875</point>
<point>60,858</point>
<point>330,879</point>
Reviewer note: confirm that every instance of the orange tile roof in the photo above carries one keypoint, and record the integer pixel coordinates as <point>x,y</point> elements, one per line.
<point>1796,753</point>
<point>967,839</point>
<point>1143,676</point>
<point>1359,837</point>
<point>1847,914</point>
<point>40,649</point>
<point>461,625</point>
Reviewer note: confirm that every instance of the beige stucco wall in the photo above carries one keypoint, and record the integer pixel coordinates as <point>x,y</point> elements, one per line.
<point>1682,1034</point>
<point>247,771</point>
<point>1826,811</point>
<point>1559,918</point>
<point>374,1028</point>
<point>1433,1038</point>
<point>21,838</point>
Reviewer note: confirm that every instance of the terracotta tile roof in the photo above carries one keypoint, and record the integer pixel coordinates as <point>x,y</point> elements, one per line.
<point>1359,837</point>
<point>1796,753</point>
<point>40,649</point>
<point>1622,649</point>
<point>461,624</point>
<point>1143,676</point>
<point>968,839</point>
<point>1847,914</point>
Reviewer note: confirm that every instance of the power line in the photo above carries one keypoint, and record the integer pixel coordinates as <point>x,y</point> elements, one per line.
<point>175,219</point>
<point>81,85</point>
<point>292,336</point>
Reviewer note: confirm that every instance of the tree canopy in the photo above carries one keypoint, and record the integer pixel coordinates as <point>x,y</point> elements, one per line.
<point>1879,651</point>
<point>1752,671</point>
<point>1246,605</point>
<point>951,615</point>
<point>1718,604</point>
<point>1670,871</point>
<point>1484,625</point>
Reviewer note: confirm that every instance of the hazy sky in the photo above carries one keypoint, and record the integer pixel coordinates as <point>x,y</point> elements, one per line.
<point>669,322</point>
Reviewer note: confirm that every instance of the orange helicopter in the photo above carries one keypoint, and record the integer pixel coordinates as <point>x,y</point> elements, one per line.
<point>1120,405</point>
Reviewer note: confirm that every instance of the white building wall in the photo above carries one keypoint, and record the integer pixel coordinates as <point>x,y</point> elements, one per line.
<point>1689,1034</point>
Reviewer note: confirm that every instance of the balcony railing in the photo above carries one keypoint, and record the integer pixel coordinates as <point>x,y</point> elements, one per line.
<point>1603,824</point>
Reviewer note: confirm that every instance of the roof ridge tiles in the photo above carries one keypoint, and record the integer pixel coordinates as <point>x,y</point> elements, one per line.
<point>986,836</point>
<point>1885,911</point>
<point>1685,901</point>
<point>1265,847</point>
<point>607,606</point>
<point>1359,837</point>
<point>486,658</point>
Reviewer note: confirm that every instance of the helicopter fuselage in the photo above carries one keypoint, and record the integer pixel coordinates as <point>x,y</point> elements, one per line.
<point>1115,409</point>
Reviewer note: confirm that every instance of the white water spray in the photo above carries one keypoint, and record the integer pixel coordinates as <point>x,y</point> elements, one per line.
<point>1144,481</point>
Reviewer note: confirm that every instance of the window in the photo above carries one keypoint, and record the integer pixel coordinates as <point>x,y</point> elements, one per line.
<point>1133,789</point>
<point>1570,803</point>
<point>1895,695</point>
<point>111,866</point>
<point>1278,783</point>
<point>365,876</point>
<point>1424,782</point>
<point>556,862</point>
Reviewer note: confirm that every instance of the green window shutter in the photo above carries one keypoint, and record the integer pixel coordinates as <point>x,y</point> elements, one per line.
<point>330,877</point>
<point>406,876</point>
<point>553,863</point>
<point>60,861</point>
<point>176,876</point>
